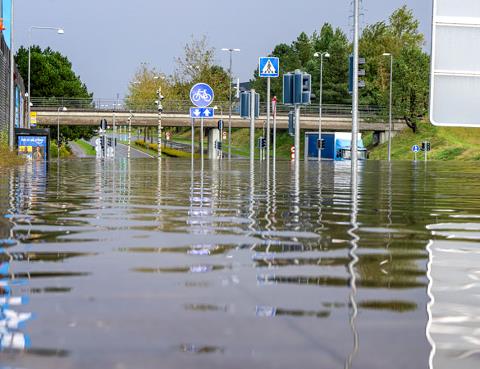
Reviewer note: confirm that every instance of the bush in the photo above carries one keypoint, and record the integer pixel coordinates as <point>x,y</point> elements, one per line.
<point>65,150</point>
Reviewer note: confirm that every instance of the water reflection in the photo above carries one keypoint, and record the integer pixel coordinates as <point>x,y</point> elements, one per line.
<point>237,263</point>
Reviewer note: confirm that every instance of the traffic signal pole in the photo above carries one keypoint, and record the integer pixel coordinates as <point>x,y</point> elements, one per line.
<point>252,125</point>
<point>297,135</point>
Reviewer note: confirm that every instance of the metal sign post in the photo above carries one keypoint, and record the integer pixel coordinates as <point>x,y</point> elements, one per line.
<point>252,125</point>
<point>268,119</point>
<point>274,106</point>
<point>202,96</point>
<point>268,67</point>
<point>297,135</point>
<point>415,149</point>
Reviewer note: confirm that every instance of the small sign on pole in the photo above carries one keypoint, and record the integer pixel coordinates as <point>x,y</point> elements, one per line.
<point>415,149</point>
<point>269,67</point>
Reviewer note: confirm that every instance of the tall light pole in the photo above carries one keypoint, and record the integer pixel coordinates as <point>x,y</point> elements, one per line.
<point>321,56</point>
<point>390,107</point>
<point>231,51</point>
<point>64,109</point>
<point>356,36</point>
<point>60,31</point>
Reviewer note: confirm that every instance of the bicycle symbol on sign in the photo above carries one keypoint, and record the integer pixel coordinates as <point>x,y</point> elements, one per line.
<point>202,95</point>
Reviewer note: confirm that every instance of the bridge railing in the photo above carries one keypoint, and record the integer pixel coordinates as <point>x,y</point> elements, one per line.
<point>371,113</point>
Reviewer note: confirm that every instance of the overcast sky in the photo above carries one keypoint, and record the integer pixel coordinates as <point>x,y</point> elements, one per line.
<point>106,40</point>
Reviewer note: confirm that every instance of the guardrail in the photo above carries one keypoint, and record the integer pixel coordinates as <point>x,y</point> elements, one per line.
<point>182,107</point>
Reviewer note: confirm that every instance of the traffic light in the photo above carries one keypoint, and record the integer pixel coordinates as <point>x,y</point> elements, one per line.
<point>297,88</point>
<point>218,145</point>
<point>262,142</point>
<point>245,105</point>
<point>361,73</point>
<point>288,89</point>
<point>103,124</point>
<point>321,144</point>
<point>291,123</point>
<point>220,124</point>
<point>245,99</point>
<point>426,146</point>
<point>102,141</point>
<point>306,89</point>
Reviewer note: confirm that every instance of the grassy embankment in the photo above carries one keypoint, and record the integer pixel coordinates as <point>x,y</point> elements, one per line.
<point>241,142</point>
<point>447,144</point>
<point>152,149</point>
<point>86,147</point>
<point>8,158</point>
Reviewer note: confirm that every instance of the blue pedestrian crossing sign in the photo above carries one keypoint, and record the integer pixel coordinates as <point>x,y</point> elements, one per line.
<point>269,67</point>
<point>205,113</point>
<point>415,148</point>
<point>201,95</point>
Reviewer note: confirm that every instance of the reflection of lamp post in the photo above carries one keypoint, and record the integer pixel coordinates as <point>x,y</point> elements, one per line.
<point>321,55</point>
<point>60,31</point>
<point>231,51</point>
<point>64,109</point>
<point>390,107</point>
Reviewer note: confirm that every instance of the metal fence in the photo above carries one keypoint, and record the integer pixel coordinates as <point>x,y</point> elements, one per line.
<point>182,107</point>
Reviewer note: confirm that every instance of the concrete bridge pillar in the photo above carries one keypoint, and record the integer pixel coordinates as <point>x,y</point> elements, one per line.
<point>213,136</point>
<point>379,137</point>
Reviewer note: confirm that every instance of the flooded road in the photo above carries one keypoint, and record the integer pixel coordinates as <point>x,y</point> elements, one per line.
<point>140,264</point>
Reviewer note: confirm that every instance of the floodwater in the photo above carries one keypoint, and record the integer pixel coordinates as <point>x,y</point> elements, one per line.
<point>140,264</point>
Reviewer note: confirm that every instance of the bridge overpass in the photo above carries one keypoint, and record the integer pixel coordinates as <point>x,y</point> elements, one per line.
<point>87,112</point>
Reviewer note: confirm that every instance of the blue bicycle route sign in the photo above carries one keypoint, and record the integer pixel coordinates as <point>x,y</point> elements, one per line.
<point>415,148</point>
<point>269,67</point>
<point>201,95</point>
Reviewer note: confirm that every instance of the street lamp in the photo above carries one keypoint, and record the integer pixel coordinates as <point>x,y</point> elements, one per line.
<point>321,56</point>
<point>60,31</point>
<point>390,107</point>
<point>64,109</point>
<point>231,51</point>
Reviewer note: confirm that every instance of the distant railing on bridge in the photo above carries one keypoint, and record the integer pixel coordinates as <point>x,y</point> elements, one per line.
<point>371,113</point>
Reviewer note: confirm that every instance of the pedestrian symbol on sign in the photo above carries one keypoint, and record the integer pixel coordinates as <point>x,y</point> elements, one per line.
<point>269,68</point>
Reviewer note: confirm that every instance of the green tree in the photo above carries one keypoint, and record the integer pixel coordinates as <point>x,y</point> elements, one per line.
<point>401,38</point>
<point>142,90</point>
<point>51,74</point>
<point>197,64</point>
<point>300,55</point>
<point>52,77</point>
